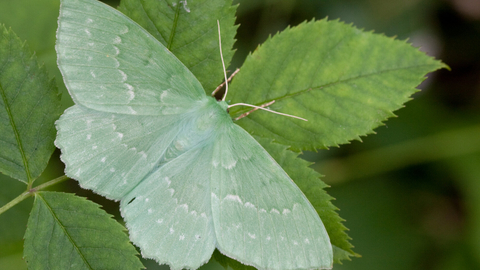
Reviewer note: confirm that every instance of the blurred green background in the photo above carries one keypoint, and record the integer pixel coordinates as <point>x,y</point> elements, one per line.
<point>410,194</point>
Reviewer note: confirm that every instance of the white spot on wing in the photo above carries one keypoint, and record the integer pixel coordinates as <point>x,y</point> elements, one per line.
<point>119,135</point>
<point>88,20</point>
<point>147,199</point>
<point>112,169</point>
<point>307,241</point>
<point>163,95</point>
<point>130,88</point>
<point>184,207</point>
<point>117,40</point>
<point>103,159</point>
<point>117,64</point>
<point>131,95</point>
<point>182,236</point>
<point>89,136</point>
<point>160,221</point>
<point>249,205</point>
<point>94,147</point>
<point>88,33</point>
<point>235,198</point>
<point>131,110</point>
<point>124,75</point>
<point>93,74</point>
<point>167,180</point>
<point>171,230</point>
<point>171,190</point>
<point>124,30</point>
<point>285,211</point>
<point>150,210</point>
<point>230,166</point>
<point>253,236</point>
<point>274,211</point>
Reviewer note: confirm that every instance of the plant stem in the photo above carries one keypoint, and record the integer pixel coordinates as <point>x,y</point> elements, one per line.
<point>15,201</point>
<point>51,183</point>
<point>31,192</point>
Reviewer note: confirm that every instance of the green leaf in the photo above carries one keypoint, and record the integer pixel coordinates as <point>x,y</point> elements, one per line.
<point>228,262</point>
<point>69,232</point>
<point>190,32</point>
<point>29,106</point>
<point>343,80</point>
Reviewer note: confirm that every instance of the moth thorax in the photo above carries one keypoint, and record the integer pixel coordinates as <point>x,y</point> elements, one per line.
<point>211,115</point>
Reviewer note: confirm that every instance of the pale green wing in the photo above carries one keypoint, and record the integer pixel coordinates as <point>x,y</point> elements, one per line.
<point>111,153</point>
<point>109,63</point>
<point>168,214</point>
<point>261,217</point>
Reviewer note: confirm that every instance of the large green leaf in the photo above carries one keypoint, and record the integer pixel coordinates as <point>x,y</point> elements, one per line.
<point>69,232</point>
<point>344,81</point>
<point>29,106</point>
<point>190,32</point>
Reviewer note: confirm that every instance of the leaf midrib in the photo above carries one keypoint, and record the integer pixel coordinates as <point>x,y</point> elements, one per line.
<point>17,134</point>
<point>52,212</point>
<point>174,26</point>
<point>303,91</point>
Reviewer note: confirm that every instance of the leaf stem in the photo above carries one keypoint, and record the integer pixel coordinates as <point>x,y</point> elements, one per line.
<point>51,183</point>
<point>15,201</point>
<point>30,192</point>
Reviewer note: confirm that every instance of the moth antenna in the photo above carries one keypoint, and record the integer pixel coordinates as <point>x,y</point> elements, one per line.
<point>223,83</point>
<point>262,107</point>
<point>223,63</point>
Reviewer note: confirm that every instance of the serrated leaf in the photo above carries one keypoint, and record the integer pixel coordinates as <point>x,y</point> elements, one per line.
<point>189,30</point>
<point>344,81</point>
<point>29,106</point>
<point>69,232</point>
<point>229,263</point>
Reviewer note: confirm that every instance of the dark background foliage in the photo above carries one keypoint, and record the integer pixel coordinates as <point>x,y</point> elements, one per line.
<point>410,194</point>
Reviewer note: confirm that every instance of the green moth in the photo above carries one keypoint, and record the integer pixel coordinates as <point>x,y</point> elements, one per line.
<point>189,179</point>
